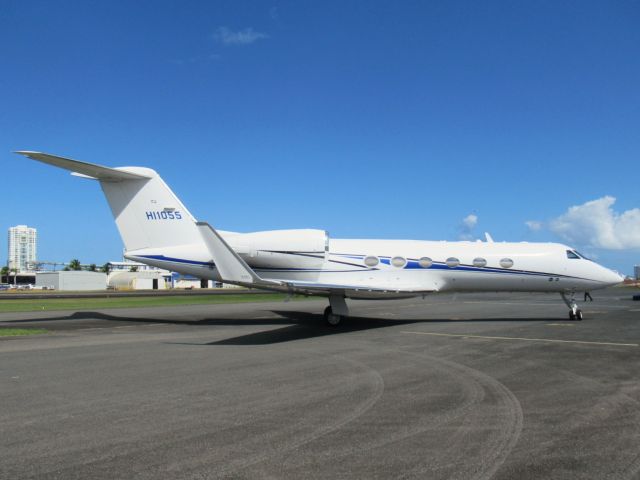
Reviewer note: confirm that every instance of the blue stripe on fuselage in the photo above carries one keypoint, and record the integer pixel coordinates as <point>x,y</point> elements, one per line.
<point>412,264</point>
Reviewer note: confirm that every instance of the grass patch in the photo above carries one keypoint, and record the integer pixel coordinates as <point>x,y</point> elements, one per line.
<point>16,332</point>
<point>52,304</point>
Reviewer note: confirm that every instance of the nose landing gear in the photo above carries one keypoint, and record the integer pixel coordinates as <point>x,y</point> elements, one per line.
<point>574,312</point>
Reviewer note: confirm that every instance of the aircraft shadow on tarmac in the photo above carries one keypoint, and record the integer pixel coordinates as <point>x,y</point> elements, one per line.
<point>295,325</point>
<point>303,325</point>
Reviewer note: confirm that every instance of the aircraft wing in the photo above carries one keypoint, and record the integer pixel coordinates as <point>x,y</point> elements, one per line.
<point>233,269</point>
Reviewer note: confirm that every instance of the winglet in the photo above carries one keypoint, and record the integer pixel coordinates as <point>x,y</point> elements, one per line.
<point>232,268</point>
<point>488,237</point>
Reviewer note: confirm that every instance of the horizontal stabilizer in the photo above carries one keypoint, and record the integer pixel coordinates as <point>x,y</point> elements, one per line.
<point>84,169</point>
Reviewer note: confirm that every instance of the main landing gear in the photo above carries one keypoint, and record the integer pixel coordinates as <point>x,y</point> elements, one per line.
<point>336,310</point>
<point>574,312</point>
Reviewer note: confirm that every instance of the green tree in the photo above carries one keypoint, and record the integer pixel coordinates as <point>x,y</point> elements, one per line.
<point>75,264</point>
<point>4,272</point>
<point>106,268</point>
<point>92,267</point>
<point>134,268</point>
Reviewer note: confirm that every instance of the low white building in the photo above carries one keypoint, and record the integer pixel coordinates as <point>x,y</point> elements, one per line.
<point>71,280</point>
<point>137,281</point>
<point>128,275</point>
<point>189,282</point>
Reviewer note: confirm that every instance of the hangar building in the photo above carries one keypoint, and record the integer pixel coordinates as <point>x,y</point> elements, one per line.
<point>72,280</point>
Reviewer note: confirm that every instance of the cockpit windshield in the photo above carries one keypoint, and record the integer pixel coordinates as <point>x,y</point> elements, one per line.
<point>581,255</point>
<point>574,254</point>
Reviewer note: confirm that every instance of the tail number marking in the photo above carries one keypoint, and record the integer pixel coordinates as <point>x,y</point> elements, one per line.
<point>163,215</point>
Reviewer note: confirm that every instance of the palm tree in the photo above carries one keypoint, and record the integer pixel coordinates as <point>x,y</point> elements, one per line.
<point>75,264</point>
<point>15,275</point>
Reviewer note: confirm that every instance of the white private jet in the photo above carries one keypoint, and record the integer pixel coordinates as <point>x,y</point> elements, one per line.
<point>158,230</point>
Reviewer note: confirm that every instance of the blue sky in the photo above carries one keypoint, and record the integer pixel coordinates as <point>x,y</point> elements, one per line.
<point>367,119</point>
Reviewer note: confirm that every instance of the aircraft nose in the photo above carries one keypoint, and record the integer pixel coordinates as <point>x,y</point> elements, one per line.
<point>611,277</point>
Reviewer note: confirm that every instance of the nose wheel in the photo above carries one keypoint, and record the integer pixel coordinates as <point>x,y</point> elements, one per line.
<point>577,315</point>
<point>574,312</point>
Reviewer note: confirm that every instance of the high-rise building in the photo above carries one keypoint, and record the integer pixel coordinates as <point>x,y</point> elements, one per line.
<point>22,247</point>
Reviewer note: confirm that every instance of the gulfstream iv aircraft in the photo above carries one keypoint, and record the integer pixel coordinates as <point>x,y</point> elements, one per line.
<point>158,230</point>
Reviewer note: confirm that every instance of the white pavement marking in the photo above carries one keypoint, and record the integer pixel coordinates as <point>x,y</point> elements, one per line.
<point>498,302</point>
<point>525,339</point>
<point>538,304</point>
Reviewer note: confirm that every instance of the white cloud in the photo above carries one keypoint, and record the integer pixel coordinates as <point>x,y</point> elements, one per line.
<point>467,225</point>
<point>596,224</point>
<point>534,225</point>
<point>241,37</point>
<point>470,221</point>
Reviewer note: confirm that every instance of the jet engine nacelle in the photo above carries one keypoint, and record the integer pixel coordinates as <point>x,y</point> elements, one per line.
<point>304,248</point>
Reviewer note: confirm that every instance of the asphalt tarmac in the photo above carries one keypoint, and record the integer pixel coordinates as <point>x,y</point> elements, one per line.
<point>466,386</point>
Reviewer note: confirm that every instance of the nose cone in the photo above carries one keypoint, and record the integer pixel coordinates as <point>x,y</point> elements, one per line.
<point>610,277</point>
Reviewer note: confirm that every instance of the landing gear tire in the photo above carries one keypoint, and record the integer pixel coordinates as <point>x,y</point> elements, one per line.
<point>575,316</point>
<point>331,318</point>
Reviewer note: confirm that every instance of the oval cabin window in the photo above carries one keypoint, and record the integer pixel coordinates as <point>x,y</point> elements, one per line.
<point>452,262</point>
<point>506,263</point>
<point>425,262</point>
<point>371,261</point>
<point>398,262</point>
<point>479,262</point>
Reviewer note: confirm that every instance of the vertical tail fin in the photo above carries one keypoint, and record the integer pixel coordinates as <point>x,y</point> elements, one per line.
<point>148,214</point>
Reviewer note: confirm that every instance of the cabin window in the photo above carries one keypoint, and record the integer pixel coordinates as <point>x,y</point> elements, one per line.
<point>479,262</point>
<point>371,261</point>
<point>506,263</point>
<point>452,262</point>
<point>398,262</point>
<point>425,262</point>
